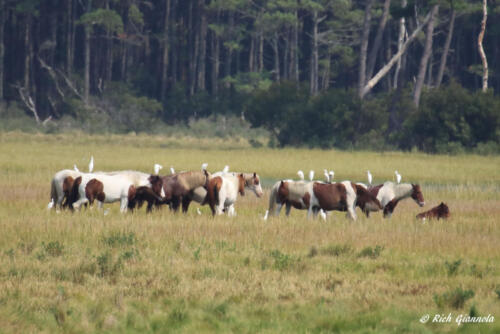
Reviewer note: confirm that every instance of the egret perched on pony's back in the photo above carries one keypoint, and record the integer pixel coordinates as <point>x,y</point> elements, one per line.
<point>76,168</point>
<point>172,170</point>
<point>157,168</point>
<point>332,174</point>
<point>327,176</point>
<point>204,166</point>
<point>369,175</point>
<point>311,175</point>
<point>301,175</point>
<point>91,164</point>
<point>398,176</point>
<point>226,169</point>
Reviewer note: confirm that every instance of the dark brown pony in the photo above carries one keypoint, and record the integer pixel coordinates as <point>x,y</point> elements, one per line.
<point>439,212</point>
<point>151,195</point>
<point>178,187</point>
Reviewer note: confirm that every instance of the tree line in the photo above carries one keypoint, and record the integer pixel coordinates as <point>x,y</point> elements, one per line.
<point>177,59</point>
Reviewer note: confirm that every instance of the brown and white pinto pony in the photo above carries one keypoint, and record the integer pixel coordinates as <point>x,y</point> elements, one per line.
<point>222,192</point>
<point>341,196</point>
<point>290,193</point>
<point>438,212</point>
<point>252,182</point>
<point>108,189</point>
<point>179,187</point>
<point>60,188</point>
<point>389,194</point>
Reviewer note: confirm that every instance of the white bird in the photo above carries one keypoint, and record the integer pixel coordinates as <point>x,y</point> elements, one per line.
<point>51,204</point>
<point>327,176</point>
<point>157,168</point>
<point>369,175</point>
<point>172,170</point>
<point>311,175</point>
<point>332,174</point>
<point>204,166</point>
<point>266,215</point>
<point>398,176</point>
<point>198,211</point>
<point>76,168</point>
<point>91,164</point>
<point>322,214</point>
<point>301,175</point>
<point>226,169</point>
<point>106,212</point>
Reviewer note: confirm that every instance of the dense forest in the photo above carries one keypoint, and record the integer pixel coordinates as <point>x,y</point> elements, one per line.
<point>332,73</point>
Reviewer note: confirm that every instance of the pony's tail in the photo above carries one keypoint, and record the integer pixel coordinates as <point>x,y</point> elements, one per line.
<point>74,193</point>
<point>272,200</point>
<point>53,194</point>
<point>216,195</point>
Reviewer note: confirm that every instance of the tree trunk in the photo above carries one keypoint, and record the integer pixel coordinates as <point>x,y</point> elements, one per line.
<point>401,39</point>
<point>261,51</point>
<point>387,67</point>
<point>364,47</point>
<point>276,57</point>
<point>425,57</point>
<point>446,49</point>
<point>2,47</point>
<point>202,47</point>
<point>193,25</point>
<point>378,40</point>
<point>480,46</point>
<point>251,54</point>
<point>69,37</point>
<point>313,71</point>
<point>27,52</point>
<point>164,65</point>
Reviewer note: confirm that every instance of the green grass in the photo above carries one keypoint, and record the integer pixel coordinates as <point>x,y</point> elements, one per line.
<point>87,272</point>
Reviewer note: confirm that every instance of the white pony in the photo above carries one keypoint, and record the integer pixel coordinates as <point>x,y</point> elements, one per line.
<point>223,189</point>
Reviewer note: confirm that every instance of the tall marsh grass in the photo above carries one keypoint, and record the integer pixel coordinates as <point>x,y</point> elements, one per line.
<point>88,272</point>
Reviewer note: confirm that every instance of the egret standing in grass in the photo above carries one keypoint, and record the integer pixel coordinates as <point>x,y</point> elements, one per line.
<point>91,164</point>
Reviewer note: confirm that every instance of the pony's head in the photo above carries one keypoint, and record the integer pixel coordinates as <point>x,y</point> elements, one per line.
<point>253,183</point>
<point>241,184</point>
<point>443,211</point>
<point>157,185</point>
<point>417,195</point>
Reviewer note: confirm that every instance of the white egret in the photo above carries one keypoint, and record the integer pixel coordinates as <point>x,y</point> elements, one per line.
<point>91,164</point>
<point>204,166</point>
<point>157,168</point>
<point>369,175</point>
<point>76,168</point>
<point>301,175</point>
<point>398,176</point>
<point>311,175</point>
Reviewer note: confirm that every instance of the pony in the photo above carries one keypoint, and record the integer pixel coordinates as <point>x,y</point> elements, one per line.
<point>389,194</point>
<point>289,193</point>
<point>252,183</point>
<point>178,187</point>
<point>222,192</point>
<point>108,189</point>
<point>60,188</point>
<point>144,194</point>
<point>440,212</point>
<point>341,196</point>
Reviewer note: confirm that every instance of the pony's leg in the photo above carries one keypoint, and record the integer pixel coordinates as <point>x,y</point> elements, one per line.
<point>79,203</point>
<point>278,209</point>
<point>186,200</point>
<point>176,202</point>
<point>288,209</point>
<point>351,213</point>
<point>123,204</point>
<point>99,205</point>
<point>230,211</point>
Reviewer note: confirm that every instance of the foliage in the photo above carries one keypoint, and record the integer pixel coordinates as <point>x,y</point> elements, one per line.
<point>455,298</point>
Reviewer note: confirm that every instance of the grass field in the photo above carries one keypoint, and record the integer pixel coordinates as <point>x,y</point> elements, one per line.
<point>86,272</point>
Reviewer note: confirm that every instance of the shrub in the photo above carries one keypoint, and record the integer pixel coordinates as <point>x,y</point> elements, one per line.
<point>53,248</point>
<point>455,298</point>
<point>370,252</point>
<point>337,250</point>
<point>452,267</point>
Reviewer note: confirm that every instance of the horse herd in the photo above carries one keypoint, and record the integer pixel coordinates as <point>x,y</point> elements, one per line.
<point>71,189</point>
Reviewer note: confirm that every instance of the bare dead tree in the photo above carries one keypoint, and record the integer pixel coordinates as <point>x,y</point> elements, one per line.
<point>480,46</point>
